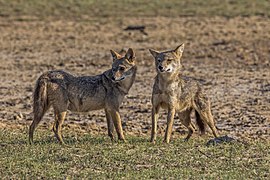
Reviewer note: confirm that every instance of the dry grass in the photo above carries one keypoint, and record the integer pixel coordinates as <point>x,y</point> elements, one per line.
<point>93,157</point>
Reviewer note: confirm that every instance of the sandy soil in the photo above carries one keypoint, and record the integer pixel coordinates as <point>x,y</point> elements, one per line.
<point>231,57</point>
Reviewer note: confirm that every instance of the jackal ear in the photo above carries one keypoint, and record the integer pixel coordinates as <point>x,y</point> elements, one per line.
<point>115,55</point>
<point>154,52</point>
<point>130,55</point>
<point>179,50</point>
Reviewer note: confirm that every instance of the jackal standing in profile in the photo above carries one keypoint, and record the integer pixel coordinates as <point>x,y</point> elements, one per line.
<point>178,94</point>
<point>64,91</point>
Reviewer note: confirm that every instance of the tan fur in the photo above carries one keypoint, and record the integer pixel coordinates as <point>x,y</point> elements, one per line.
<point>64,91</point>
<point>178,94</point>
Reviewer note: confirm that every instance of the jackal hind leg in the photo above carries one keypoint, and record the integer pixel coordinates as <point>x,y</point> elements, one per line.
<point>186,121</point>
<point>60,106</point>
<point>210,121</point>
<point>57,127</point>
<point>109,124</point>
<point>204,110</point>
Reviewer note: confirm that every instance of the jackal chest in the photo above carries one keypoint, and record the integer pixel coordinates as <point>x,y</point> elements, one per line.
<point>166,101</point>
<point>171,97</point>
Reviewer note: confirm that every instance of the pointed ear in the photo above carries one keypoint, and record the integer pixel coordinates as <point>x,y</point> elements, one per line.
<point>115,55</point>
<point>179,50</point>
<point>130,55</point>
<point>154,52</point>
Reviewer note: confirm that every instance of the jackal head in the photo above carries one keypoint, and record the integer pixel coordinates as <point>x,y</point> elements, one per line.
<point>122,66</point>
<point>168,61</point>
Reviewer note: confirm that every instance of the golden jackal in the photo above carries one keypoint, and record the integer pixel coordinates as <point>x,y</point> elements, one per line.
<point>179,94</point>
<point>64,91</point>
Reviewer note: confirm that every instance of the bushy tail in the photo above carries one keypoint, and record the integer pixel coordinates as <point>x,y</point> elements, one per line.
<point>40,97</point>
<point>40,105</point>
<point>200,123</point>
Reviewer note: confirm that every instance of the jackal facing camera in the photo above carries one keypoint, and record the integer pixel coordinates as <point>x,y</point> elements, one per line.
<point>178,94</point>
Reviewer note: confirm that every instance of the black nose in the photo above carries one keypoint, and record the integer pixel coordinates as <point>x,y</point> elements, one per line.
<point>113,78</point>
<point>160,68</point>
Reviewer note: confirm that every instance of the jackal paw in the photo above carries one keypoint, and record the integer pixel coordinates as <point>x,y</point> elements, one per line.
<point>166,141</point>
<point>112,138</point>
<point>122,140</point>
<point>153,141</point>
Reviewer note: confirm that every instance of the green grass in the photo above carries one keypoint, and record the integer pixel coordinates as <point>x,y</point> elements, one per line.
<point>133,8</point>
<point>95,157</point>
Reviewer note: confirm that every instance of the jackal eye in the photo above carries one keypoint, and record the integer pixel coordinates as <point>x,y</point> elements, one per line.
<point>122,68</point>
<point>169,60</point>
<point>113,69</point>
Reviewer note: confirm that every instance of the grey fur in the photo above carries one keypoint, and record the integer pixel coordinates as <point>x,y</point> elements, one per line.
<point>64,91</point>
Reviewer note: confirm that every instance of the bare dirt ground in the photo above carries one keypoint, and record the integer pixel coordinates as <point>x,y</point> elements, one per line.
<point>231,57</point>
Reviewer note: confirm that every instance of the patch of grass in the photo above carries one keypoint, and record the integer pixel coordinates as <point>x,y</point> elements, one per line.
<point>96,157</point>
<point>133,8</point>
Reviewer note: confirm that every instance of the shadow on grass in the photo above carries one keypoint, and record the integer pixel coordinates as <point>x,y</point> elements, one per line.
<point>78,140</point>
<point>25,142</point>
<point>41,139</point>
<point>138,140</point>
<point>10,138</point>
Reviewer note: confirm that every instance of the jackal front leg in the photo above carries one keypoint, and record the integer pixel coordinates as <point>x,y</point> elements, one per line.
<point>154,124</point>
<point>170,119</point>
<point>109,124</point>
<point>117,124</point>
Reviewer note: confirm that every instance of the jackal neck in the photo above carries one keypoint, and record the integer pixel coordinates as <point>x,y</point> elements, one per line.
<point>169,78</point>
<point>124,85</point>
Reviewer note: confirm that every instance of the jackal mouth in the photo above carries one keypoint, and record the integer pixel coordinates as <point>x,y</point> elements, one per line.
<point>162,71</point>
<point>118,80</point>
